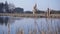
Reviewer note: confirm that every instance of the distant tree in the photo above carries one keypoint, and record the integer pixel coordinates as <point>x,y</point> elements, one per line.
<point>55,12</point>
<point>1,7</point>
<point>40,11</point>
<point>11,7</point>
<point>18,10</point>
<point>6,7</point>
<point>29,12</point>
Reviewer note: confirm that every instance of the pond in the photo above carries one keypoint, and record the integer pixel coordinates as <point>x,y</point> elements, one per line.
<point>41,24</point>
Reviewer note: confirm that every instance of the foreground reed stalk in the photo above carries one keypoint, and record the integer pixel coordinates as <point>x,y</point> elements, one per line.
<point>3,32</point>
<point>42,32</point>
<point>20,31</point>
<point>30,32</point>
<point>8,28</point>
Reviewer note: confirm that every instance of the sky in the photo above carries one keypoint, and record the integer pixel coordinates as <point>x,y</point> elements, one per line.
<point>41,4</point>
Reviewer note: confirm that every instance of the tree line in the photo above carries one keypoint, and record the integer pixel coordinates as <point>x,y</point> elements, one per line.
<point>10,8</point>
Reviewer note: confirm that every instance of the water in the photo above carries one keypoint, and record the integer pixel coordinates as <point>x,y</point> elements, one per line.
<point>42,24</point>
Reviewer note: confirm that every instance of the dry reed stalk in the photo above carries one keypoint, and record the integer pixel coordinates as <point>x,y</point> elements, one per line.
<point>49,32</point>
<point>8,28</point>
<point>17,32</point>
<point>34,31</point>
<point>3,32</point>
<point>42,32</point>
<point>20,31</point>
<point>55,32</point>
<point>39,32</point>
<point>30,32</point>
<point>57,28</point>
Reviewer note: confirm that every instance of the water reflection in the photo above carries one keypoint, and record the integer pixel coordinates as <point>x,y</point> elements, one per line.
<point>42,24</point>
<point>4,20</point>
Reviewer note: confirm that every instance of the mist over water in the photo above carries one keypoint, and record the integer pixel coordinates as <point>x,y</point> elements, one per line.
<point>17,23</point>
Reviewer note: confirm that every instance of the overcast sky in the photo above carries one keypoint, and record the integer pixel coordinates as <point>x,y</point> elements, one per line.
<point>41,4</point>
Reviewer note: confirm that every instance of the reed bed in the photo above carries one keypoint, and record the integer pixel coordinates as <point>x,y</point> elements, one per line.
<point>50,29</point>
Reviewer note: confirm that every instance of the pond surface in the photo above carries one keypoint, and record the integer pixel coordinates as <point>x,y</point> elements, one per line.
<point>17,23</point>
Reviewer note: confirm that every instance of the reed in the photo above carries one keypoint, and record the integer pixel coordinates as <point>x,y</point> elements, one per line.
<point>34,31</point>
<point>8,28</point>
<point>3,32</point>
<point>30,32</point>
<point>42,32</point>
<point>20,31</point>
